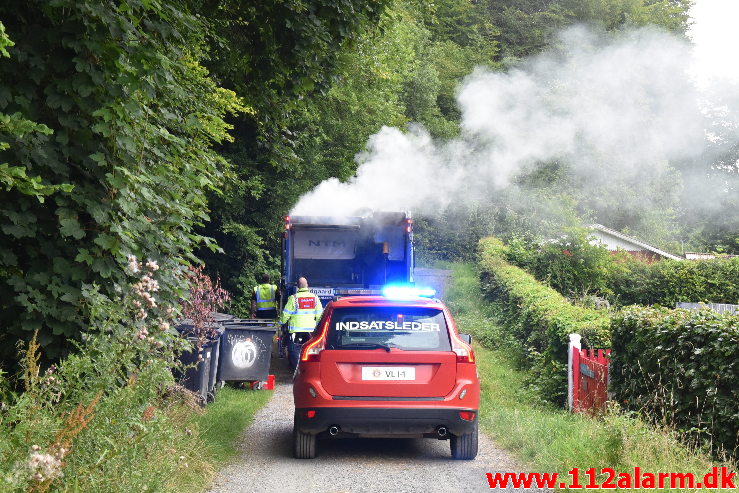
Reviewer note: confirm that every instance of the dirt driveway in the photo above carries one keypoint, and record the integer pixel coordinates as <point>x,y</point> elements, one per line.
<point>352,464</point>
<point>349,464</point>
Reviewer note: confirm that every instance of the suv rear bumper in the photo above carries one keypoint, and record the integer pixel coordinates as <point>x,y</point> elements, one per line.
<point>384,421</point>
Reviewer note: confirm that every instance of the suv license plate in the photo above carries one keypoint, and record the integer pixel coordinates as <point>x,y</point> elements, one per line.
<point>388,373</point>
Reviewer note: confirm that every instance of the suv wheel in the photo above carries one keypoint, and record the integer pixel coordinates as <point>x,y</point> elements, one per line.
<point>304,445</point>
<point>464,447</point>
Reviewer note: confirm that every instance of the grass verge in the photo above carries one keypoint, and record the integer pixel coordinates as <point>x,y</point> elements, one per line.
<point>544,437</point>
<point>218,427</point>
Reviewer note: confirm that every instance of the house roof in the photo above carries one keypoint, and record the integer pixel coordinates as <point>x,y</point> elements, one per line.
<point>627,238</point>
<point>707,256</point>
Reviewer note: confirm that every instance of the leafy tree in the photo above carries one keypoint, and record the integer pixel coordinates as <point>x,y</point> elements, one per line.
<point>527,27</point>
<point>711,191</point>
<point>319,92</point>
<point>18,127</point>
<point>281,57</point>
<point>124,116</point>
<point>388,74</point>
<point>549,197</point>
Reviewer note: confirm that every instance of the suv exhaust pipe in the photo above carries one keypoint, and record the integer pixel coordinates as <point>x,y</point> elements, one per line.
<point>333,431</point>
<point>441,431</point>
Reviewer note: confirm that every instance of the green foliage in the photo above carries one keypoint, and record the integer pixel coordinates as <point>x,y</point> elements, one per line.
<point>571,265</point>
<point>462,296</point>
<point>86,423</point>
<point>448,235</point>
<point>715,227</point>
<point>288,59</point>
<point>373,77</point>
<point>459,41</point>
<point>574,267</point>
<point>319,89</point>
<point>109,417</point>
<point>680,368</point>
<point>538,318</point>
<point>388,73</point>
<point>546,437</point>
<point>550,197</point>
<point>516,212</point>
<point>108,114</point>
<point>274,53</point>
<point>671,281</point>
<point>677,366</point>
<point>526,27</point>
<point>15,126</point>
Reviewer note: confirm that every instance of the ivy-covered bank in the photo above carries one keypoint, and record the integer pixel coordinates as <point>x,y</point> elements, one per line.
<point>108,122</point>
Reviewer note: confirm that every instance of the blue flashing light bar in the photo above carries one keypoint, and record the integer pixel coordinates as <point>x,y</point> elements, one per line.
<point>399,292</point>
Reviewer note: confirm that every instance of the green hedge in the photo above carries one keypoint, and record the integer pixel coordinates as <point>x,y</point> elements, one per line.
<point>570,264</point>
<point>680,368</point>
<point>540,319</point>
<point>670,281</point>
<point>573,266</point>
<point>677,366</point>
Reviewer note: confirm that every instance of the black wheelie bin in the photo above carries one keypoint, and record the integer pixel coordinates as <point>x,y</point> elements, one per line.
<point>246,350</point>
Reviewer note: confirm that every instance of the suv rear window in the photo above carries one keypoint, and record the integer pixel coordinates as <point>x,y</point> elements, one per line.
<point>407,328</point>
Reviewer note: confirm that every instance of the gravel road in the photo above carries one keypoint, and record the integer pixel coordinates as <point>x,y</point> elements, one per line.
<point>435,278</point>
<point>349,464</point>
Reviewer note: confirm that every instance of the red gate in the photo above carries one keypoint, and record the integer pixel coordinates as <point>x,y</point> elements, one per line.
<point>589,379</point>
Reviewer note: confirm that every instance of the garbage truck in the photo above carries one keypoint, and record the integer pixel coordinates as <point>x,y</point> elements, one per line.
<point>346,255</point>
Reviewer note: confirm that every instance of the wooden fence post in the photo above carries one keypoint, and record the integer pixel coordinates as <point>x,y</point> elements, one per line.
<point>571,373</point>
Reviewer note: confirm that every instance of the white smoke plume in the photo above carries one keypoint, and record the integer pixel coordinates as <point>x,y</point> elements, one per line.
<point>614,108</point>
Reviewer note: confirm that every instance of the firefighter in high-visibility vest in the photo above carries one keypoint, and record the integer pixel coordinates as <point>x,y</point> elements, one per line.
<point>301,314</point>
<point>265,299</point>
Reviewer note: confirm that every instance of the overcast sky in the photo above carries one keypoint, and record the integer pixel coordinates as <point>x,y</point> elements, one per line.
<point>716,37</point>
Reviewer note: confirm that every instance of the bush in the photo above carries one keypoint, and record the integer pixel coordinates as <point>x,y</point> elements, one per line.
<point>670,281</point>
<point>540,318</point>
<point>109,417</point>
<point>107,121</point>
<point>553,439</point>
<point>680,368</point>
<point>574,267</point>
<point>571,265</point>
<point>206,297</point>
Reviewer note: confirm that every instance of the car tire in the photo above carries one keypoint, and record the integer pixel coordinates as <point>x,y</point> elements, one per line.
<point>304,445</point>
<point>464,447</point>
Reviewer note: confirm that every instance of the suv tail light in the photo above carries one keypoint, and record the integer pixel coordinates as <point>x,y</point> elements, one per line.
<point>312,349</point>
<point>463,350</point>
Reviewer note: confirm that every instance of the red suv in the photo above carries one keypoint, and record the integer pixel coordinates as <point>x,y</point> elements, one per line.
<point>378,366</point>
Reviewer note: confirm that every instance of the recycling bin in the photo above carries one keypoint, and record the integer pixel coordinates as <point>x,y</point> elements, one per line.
<point>246,350</point>
<point>214,346</point>
<point>221,317</point>
<point>197,375</point>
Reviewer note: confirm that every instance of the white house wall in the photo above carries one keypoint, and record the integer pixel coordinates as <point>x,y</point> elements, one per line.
<point>612,243</point>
